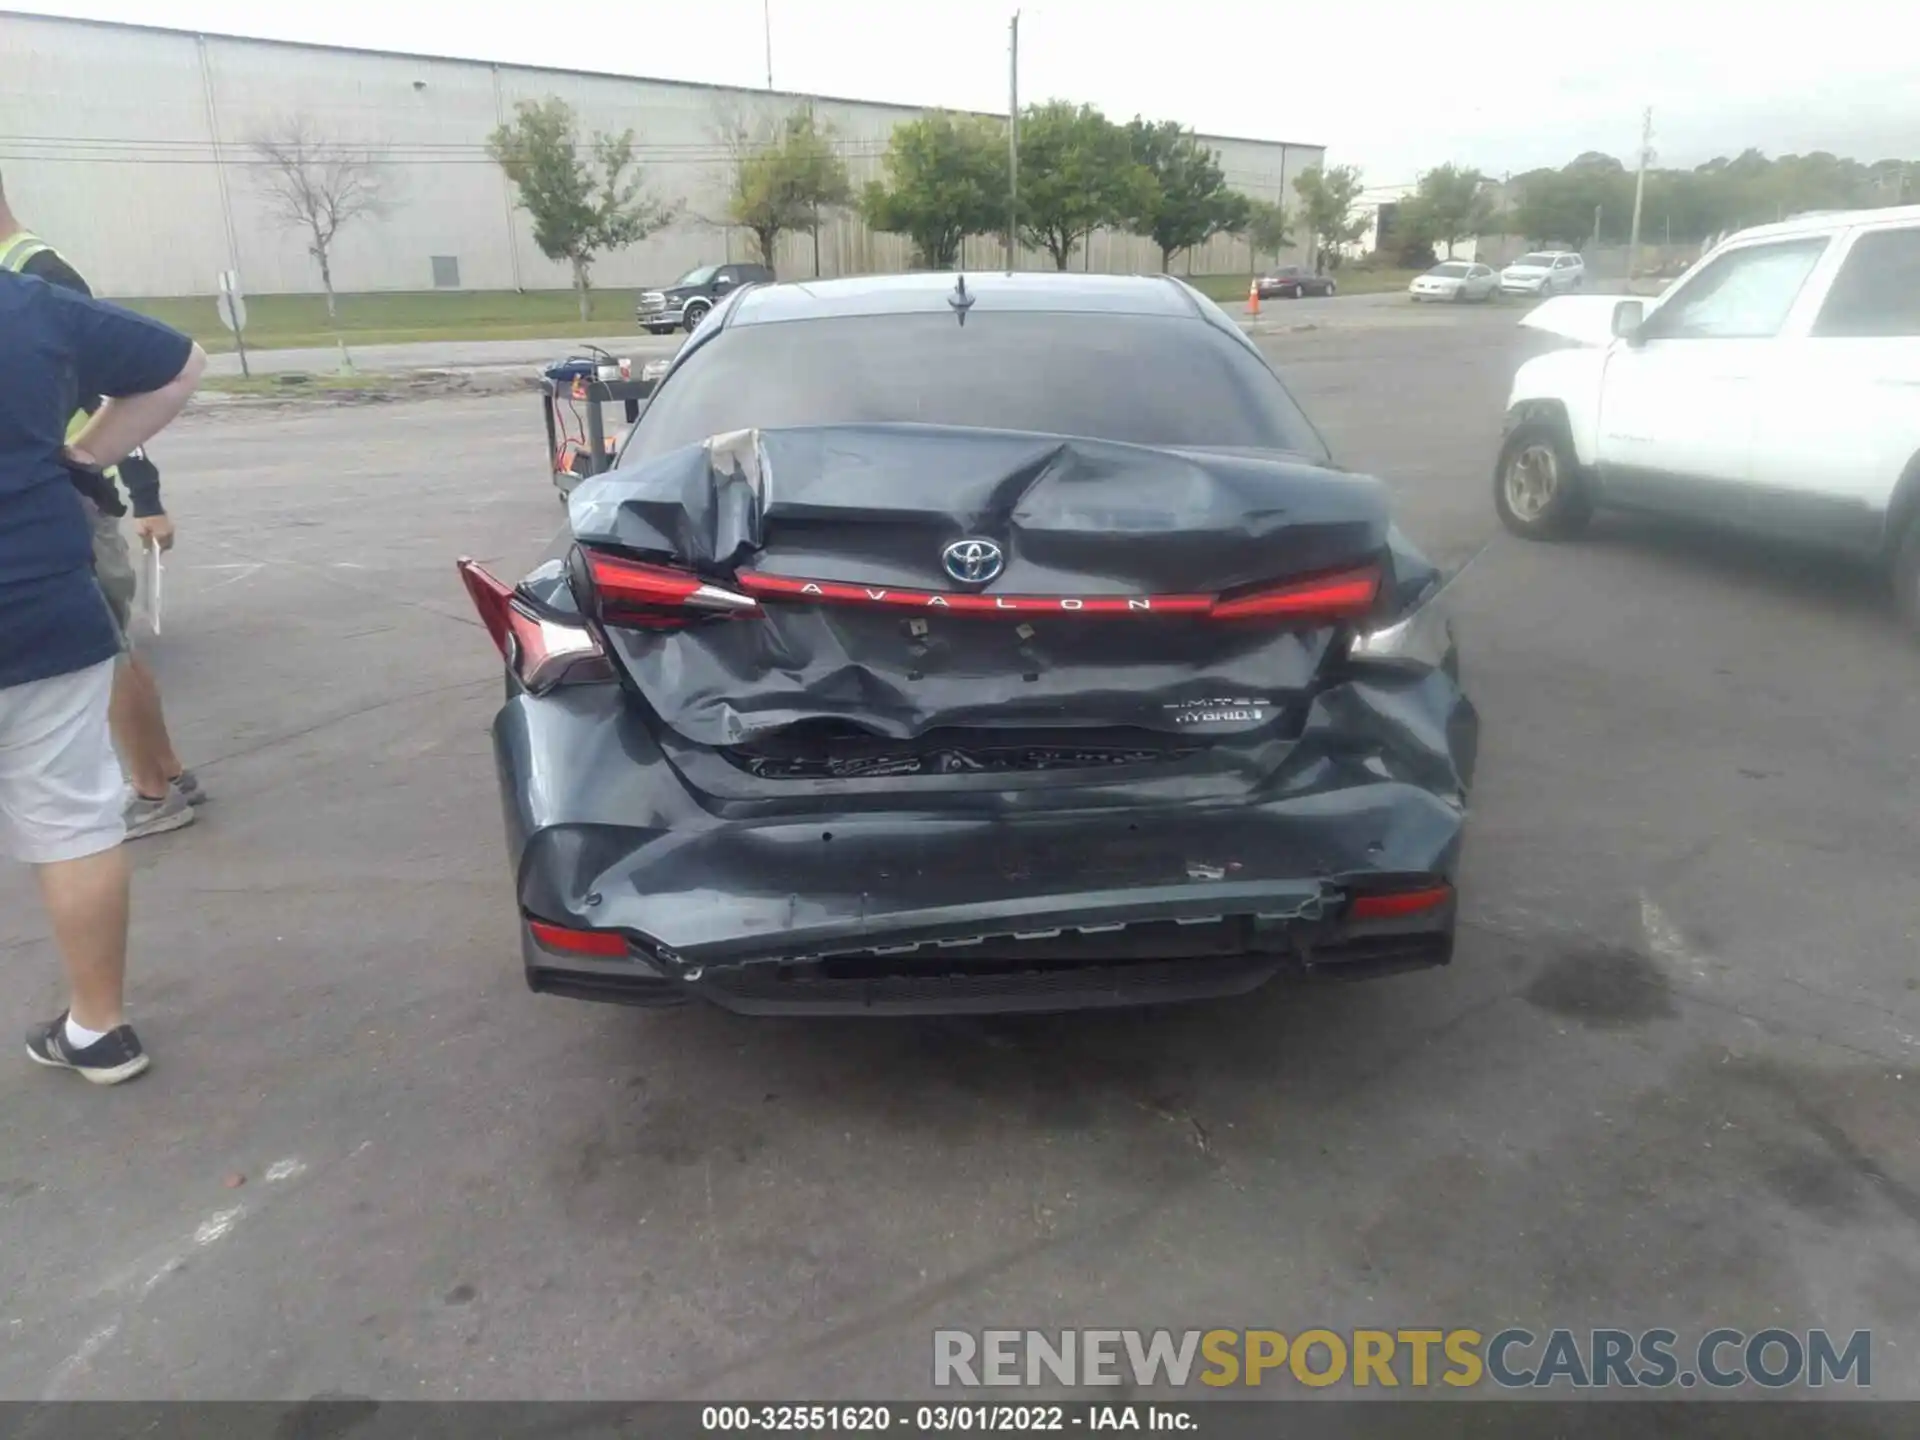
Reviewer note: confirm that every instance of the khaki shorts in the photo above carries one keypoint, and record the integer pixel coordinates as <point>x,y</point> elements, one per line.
<point>60,785</point>
<point>113,568</point>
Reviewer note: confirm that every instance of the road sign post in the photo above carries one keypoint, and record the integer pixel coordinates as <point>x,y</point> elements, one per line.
<point>232,304</point>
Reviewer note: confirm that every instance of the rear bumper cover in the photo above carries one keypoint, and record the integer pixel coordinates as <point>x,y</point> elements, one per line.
<point>878,897</point>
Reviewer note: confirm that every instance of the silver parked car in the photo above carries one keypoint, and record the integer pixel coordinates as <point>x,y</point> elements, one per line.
<point>1456,280</point>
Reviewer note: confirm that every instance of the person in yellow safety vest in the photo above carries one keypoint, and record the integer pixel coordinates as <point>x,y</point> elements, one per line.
<point>162,792</point>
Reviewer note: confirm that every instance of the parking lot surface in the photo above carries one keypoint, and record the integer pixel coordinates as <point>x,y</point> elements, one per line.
<point>1669,1080</point>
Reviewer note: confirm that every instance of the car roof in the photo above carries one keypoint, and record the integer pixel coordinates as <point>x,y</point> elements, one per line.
<point>930,293</point>
<point>1820,222</point>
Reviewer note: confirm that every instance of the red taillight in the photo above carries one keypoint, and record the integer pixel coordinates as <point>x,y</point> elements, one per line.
<point>542,652</point>
<point>490,597</point>
<point>1332,597</point>
<point>608,944</point>
<point>657,596</point>
<point>1397,904</point>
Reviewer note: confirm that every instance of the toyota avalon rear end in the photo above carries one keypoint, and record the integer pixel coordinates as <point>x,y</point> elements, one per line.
<point>1012,645</point>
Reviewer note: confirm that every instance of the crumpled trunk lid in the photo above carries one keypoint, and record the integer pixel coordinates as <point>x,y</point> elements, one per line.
<point>1097,615</point>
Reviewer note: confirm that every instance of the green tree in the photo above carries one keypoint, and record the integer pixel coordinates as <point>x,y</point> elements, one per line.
<point>946,180</point>
<point>1188,201</point>
<point>1269,229</point>
<point>1556,207</point>
<point>1449,205</point>
<point>819,175</point>
<point>785,181</point>
<point>1327,197</point>
<point>1726,193</point>
<point>1077,174</point>
<point>582,205</point>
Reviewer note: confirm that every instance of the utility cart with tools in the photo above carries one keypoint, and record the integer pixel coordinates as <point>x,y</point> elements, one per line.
<point>572,394</point>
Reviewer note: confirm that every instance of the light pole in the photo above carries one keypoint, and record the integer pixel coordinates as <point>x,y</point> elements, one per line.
<point>1639,195</point>
<point>1013,140</point>
<point>766,21</point>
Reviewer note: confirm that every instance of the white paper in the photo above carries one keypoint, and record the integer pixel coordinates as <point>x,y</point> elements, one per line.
<point>156,571</point>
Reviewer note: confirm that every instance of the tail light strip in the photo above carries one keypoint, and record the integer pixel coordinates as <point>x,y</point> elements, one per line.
<point>1398,904</point>
<point>542,652</point>
<point>606,944</point>
<point>628,584</point>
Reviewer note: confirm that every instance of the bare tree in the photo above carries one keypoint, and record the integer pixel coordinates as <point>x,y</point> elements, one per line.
<point>318,187</point>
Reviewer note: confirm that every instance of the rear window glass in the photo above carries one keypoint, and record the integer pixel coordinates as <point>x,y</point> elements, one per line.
<point>1449,272</point>
<point>1137,379</point>
<point>1877,291</point>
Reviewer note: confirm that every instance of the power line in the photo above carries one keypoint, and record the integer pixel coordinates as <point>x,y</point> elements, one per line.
<point>63,147</point>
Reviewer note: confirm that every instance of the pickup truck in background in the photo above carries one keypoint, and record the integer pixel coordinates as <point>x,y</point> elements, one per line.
<point>692,297</point>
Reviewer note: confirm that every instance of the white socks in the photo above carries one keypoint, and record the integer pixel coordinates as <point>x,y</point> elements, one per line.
<point>80,1038</point>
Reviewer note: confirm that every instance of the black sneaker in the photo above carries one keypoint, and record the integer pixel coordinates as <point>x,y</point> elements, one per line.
<point>114,1057</point>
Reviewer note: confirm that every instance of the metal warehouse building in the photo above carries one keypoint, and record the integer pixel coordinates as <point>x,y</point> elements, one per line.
<point>129,146</point>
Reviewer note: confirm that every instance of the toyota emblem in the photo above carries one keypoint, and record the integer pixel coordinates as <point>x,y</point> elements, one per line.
<point>972,562</point>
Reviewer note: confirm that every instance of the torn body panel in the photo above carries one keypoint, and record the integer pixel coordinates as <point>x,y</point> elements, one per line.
<point>989,890</point>
<point>1110,557</point>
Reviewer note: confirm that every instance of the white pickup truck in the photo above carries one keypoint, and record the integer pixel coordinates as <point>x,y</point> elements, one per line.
<point>1775,388</point>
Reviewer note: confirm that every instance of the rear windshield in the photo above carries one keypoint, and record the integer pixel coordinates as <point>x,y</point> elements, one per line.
<point>1449,272</point>
<point>1137,379</point>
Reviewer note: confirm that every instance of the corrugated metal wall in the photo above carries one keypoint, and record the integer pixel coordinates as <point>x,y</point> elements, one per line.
<point>128,147</point>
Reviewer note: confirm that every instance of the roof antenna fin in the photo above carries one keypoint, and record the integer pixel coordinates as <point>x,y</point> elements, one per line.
<point>960,300</point>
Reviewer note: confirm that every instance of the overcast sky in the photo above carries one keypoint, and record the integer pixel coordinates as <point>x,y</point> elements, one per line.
<point>1389,85</point>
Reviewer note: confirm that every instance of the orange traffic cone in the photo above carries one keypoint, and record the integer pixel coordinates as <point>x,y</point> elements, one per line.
<point>1253,297</point>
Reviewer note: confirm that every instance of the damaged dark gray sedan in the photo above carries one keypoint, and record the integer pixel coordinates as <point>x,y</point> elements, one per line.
<point>1009,643</point>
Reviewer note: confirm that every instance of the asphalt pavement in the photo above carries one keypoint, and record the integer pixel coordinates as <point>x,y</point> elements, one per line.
<point>1669,1080</point>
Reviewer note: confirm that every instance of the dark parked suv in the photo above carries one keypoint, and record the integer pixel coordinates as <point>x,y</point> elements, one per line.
<point>688,300</point>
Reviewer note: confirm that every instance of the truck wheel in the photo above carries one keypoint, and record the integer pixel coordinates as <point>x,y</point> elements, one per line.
<point>1906,575</point>
<point>694,314</point>
<point>1537,489</point>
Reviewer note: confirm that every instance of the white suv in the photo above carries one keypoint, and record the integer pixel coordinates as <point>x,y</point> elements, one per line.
<point>1775,387</point>
<point>1544,273</point>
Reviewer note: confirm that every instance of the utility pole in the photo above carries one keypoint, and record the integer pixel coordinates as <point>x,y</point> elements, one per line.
<point>220,176</point>
<point>1639,194</point>
<point>766,22</point>
<point>1013,141</point>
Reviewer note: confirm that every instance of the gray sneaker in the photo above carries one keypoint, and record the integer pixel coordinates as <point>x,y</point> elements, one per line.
<point>155,817</point>
<point>188,784</point>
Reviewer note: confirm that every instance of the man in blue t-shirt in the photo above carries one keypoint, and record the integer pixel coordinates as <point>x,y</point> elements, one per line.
<point>60,785</point>
<point>162,794</point>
